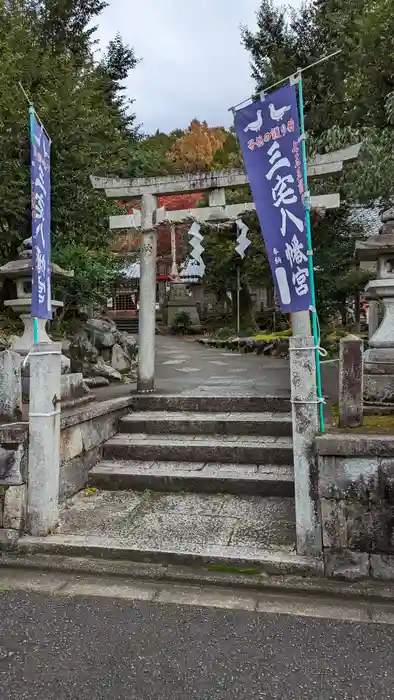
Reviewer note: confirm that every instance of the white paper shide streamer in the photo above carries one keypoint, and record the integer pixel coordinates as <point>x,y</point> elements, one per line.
<point>197,249</point>
<point>243,241</point>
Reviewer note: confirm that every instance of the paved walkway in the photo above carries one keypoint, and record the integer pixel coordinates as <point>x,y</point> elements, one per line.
<point>187,367</point>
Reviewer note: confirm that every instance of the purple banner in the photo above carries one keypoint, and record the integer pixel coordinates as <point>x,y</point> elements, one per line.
<point>41,306</point>
<point>269,134</point>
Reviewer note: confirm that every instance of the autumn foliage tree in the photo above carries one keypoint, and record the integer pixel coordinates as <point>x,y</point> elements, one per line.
<point>195,150</point>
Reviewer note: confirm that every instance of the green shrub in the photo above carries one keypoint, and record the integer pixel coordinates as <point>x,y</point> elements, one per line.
<point>181,323</point>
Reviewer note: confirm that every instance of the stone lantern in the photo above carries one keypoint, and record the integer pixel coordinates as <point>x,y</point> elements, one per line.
<point>379,358</point>
<point>20,272</point>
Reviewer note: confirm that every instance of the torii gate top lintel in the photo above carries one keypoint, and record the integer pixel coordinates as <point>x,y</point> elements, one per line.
<point>322,165</point>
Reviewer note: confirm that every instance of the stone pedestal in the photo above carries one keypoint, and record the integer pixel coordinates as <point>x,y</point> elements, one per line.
<point>178,301</point>
<point>379,358</point>
<point>23,343</point>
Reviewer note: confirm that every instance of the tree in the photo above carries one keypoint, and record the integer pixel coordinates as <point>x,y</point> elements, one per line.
<point>337,274</point>
<point>65,26</point>
<point>95,275</point>
<point>348,99</point>
<point>195,150</point>
<point>349,89</point>
<point>222,262</point>
<point>83,108</point>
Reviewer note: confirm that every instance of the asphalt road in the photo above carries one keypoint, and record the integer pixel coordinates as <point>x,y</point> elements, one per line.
<point>58,648</point>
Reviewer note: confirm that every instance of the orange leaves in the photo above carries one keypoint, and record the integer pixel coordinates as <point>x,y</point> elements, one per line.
<point>195,150</point>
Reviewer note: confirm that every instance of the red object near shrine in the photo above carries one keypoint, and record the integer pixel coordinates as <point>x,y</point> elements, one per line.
<point>172,202</point>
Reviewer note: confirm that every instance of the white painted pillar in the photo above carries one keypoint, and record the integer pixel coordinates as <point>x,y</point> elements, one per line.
<point>44,438</point>
<point>305,429</point>
<point>147,312</point>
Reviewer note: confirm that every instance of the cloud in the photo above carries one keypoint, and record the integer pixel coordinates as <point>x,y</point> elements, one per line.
<point>193,64</point>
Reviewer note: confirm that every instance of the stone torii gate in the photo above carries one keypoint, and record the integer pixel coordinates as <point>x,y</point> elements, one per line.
<point>149,216</point>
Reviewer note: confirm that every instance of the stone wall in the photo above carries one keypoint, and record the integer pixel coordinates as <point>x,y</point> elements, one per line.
<point>83,432</point>
<point>356,492</point>
<point>13,482</point>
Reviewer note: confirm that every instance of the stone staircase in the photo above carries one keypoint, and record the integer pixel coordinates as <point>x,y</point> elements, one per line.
<point>203,445</point>
<point>188,480</point>
<point>128,325</point>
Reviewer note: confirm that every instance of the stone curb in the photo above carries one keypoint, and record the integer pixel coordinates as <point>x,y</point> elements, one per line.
<point>280,584</point>
<point>345,445</point>
<point>268,562</point>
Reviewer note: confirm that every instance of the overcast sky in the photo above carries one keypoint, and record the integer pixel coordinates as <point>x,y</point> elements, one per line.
<point>192,62</point>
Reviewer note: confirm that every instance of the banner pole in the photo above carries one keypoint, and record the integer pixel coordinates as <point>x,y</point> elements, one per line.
<point>315,323</point>
<point>31,118</point>
<point>238,298</point>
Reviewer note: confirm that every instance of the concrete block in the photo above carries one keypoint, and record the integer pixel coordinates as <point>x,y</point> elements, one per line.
<point>386,480</point>
<point>14,433</point>
<point>14,513</point>
<point>350,397</point>
<point>71,443</point>
<point>10,386</point>
<point>347,477</point>
<point>12,464</point>
<point>97,431</point>
<point>382,567</point>
<point>379,387</point>
<point>346,564</point>
<point>8,539</point>
<point>359,526</point>
<point>347,445</point>
<point>334,524</point>
<point>74,473</point>
<point>382,527</point>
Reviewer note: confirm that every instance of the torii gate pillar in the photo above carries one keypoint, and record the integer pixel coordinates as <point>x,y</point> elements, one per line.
<point>147,313</point>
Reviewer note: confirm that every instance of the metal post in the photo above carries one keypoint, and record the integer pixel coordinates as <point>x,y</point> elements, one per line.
<point>44,438</point>
<point>302,323</point>
<point>238,297</point>
<point>147,312</point>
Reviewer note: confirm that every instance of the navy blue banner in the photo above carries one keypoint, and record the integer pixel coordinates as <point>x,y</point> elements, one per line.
<point>40,149</point>
<point>269,134</point>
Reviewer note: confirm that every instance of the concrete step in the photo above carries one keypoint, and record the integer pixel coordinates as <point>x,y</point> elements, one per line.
<point>179,528</point>
<point>254,561</point>
<point>224,404</point>
<point>182,422</point>
<point>190,448</point>
<point>268,480</point>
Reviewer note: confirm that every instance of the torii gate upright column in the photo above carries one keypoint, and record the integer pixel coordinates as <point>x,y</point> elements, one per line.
<point>147,311</point>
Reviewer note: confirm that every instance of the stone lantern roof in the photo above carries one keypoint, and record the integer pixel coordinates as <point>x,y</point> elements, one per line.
<point>22,267</point>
